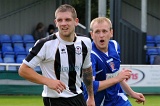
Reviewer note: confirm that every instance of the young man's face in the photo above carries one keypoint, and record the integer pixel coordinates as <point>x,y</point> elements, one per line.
<point>66,23</point>
<point>101,35</point>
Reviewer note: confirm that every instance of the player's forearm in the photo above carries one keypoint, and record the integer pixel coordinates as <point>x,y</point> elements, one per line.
<point>29,74</point>
<point>126,88</point>
<point>107,83</point>
<point>88,81</point>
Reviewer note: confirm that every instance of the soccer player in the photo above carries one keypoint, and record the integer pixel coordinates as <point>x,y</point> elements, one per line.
<point>109,82</point>
<point>64,59</point>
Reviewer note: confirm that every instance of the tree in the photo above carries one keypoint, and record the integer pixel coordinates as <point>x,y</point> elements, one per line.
<point>80,8</point>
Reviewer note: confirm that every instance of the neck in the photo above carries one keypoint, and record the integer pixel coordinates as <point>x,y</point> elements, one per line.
<point>68,38</point>
<point>102,49</point>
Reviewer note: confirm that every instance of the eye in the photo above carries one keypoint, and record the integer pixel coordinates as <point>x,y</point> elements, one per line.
<point>68,19</point>
<point>104,31</point>
<point>59,20</point>
<point>97,31</point>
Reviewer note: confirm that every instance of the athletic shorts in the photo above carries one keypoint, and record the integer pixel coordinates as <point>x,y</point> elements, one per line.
<point>118,103</point>
<point>71,101</point>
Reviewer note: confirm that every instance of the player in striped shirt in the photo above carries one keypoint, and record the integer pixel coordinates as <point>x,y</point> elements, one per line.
<point>109,82</point>
<point>64,59</point>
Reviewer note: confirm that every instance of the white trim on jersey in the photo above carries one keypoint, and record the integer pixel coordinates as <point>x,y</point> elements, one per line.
<point>115,45</point>
<point>96,55</point>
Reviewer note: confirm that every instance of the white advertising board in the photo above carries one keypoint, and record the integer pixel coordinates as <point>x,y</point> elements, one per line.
<point>143,75</point>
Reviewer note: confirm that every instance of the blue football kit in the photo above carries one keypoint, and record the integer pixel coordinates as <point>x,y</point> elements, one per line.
<point>105,66</point>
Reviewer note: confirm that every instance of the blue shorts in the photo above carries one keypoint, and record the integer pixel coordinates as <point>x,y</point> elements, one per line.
<point>119,102</point>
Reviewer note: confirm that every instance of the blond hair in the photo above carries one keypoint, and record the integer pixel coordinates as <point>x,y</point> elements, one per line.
<point>100,20</point>
<point>65,8</point>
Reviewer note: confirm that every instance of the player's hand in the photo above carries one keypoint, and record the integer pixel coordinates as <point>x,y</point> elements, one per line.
<point>125,74</point>
<point>56,85</point>
<point>139,97</point>
<point>90,102</point>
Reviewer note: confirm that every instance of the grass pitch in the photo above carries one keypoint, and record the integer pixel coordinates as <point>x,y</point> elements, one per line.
<point>151,100</point>
<point>22,100</point>
<point>29,100</point>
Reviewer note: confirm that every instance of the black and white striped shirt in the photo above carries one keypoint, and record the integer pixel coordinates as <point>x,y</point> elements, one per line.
<point>61,60</point>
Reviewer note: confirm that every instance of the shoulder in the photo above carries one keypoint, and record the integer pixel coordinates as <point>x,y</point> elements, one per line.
<point>42,41</point>
<point>113,41</point>
<point>79,34</point>
<point>84,39</point>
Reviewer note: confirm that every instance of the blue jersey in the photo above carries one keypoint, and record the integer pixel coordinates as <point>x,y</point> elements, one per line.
<point>105,66</point>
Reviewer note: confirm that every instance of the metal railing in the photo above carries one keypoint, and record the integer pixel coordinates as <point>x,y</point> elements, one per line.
<point>9,64</point>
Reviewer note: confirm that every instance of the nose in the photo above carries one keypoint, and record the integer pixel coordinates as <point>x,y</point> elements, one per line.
<point>101,34</point>
<point>63,22</point>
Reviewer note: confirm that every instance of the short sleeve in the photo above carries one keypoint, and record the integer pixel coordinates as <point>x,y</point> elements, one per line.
<point>87,62</point>
<point>36,55</point>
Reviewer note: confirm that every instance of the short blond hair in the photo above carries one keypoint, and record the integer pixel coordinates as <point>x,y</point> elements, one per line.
<point>100,20</point>
<point>65,8</point>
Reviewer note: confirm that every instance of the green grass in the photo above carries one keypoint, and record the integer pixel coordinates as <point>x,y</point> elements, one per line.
<point>151,100</point>
<point>29,100</point>
<point>13,100</point>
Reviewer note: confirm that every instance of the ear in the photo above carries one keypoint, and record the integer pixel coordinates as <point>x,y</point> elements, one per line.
<point>111,33</point>
<point>55,22</point>
<point>91,33</point>
<point>76,21</point>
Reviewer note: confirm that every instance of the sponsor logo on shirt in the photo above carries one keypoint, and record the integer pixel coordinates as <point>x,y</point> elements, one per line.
<point>70,68</point>
<point>111,75</point>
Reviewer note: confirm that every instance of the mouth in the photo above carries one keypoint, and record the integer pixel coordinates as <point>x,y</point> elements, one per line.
<point>64,29</point>
<point>101,41</point>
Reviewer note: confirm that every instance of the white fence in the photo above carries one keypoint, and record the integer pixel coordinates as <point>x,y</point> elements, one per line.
<point>6,65</point>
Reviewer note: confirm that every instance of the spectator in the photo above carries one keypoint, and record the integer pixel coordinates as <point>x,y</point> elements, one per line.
<point>156,60</point>
<point>51,29</point>
<point>39,32</point>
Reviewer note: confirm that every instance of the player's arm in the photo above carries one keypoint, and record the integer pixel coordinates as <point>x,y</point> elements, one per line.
<point>124,74</point>
<point>138,96</point>
<point>28,73</point>
<point>107,83</point>
<point>87,79</point>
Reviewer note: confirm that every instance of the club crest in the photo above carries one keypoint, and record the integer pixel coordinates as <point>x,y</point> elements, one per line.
<point>78,50</point>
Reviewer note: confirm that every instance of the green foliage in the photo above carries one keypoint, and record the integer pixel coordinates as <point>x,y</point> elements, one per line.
<point>77,1</point>
<point>80,8</point>
<point>79,5</point>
